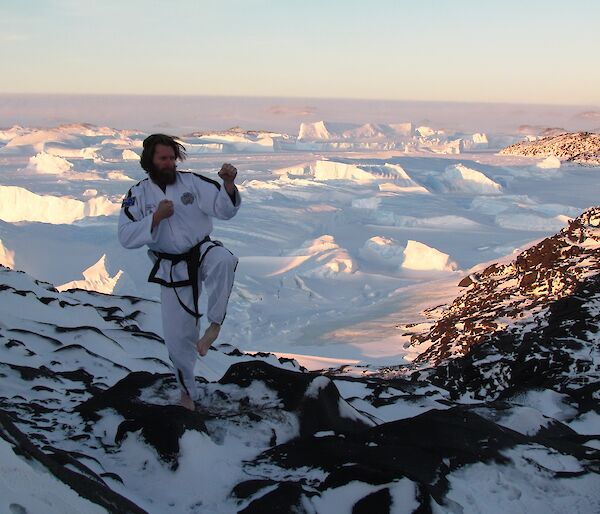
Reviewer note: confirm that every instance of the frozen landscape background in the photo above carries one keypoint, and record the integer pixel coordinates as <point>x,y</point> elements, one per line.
<point>415,318</point>
<point>350,226</point>
<point>353,374</point>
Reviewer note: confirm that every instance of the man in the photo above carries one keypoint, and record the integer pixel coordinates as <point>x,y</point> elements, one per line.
<point>171,212</point>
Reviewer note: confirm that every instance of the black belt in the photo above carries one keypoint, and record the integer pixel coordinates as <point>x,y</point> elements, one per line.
<point>193,259</point>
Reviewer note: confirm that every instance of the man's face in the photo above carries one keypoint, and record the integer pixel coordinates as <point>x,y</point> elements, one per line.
<point>164,165</point>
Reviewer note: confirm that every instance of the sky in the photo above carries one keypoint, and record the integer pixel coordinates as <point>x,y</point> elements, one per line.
<point>526,51</point>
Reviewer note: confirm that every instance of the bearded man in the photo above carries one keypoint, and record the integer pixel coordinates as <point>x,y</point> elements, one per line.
<point>171,212</point>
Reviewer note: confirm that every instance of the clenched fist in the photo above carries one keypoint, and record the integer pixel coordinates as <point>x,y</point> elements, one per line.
<point>227,173</point>
<point>164,210</point>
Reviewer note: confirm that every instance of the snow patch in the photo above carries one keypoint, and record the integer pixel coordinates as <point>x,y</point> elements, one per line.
<point>38,139</point>
<point>371,202</point>
<point>316,386</point>
<point>117,175</point>
<point>587,423</point>
<point>26,486</point>
<point>548,402</point>
<point>425,131</point>
<point>549,163</point>
<point>130,155</point>
<point>396,188</point>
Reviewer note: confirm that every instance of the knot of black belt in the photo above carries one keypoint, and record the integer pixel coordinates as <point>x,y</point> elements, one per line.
<point>193,259</point>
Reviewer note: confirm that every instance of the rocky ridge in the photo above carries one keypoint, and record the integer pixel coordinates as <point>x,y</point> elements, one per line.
<point>578,147</point>
<point>517,294</point>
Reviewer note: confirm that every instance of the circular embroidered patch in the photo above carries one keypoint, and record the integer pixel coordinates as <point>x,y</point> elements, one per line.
<point>187,198</point>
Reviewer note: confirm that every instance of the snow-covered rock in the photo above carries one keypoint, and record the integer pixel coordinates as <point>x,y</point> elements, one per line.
<point>92,370</point>
<point>518,307</point>
<point>323,170</point>
<point>324,257</point>
<point>419,256</point>
<point>96,278</point>
<point>7,257</point>
<point>383,250</point>
<point>461,178</point>
<point>47,163</point>
<point>579,147</point>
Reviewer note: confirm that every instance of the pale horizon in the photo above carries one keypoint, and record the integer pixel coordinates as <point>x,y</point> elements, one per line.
<point>465,51</point>
<point>183,114</point>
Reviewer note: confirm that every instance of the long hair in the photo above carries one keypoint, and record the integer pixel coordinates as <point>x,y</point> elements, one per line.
<point>159,139</point>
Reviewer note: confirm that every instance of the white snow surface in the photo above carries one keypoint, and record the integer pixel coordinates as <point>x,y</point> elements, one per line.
<point>330,242</point>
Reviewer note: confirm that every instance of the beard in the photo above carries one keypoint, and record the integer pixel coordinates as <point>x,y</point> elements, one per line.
<point>163,176</point>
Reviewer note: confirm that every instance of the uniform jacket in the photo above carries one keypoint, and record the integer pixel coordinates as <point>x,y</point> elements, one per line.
<point>196,200</point>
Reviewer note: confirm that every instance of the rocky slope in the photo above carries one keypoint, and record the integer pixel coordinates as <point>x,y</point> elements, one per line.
<point>579,147</point>
<point>508,417</point>
<point>518,294</point>
<point>529,325</point>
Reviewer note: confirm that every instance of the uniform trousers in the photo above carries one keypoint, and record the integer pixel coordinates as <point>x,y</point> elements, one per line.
<point>181,330</point>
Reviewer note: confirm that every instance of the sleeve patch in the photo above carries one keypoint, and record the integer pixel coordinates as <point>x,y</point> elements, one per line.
<point>128,202</point>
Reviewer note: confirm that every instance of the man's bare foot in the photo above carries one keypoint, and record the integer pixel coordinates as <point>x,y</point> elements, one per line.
<point>203,344</point>
<point>187,402</point>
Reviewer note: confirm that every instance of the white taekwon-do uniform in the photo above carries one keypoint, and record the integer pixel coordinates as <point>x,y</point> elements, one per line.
<point>183,254</point>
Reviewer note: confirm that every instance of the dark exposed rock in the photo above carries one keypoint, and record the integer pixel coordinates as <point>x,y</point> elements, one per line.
<point>250,487</point>
<point>161,425</point>
<point>31,374</point>
<point>367,473</point>
<point>65,458</point>
<point>379,501</point>
<point>424,449</point>
<point>286,498</point>
<point>554,272</point>
<point>92,489</point>
<point>554,353</point>
<point>318,411</point>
